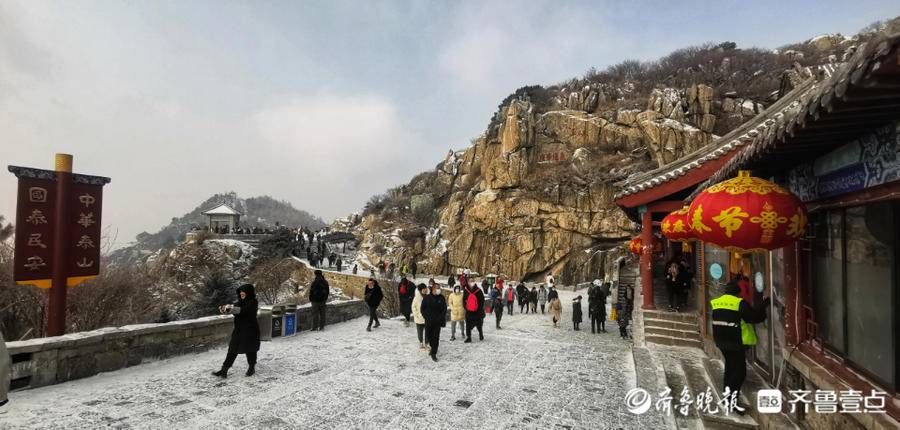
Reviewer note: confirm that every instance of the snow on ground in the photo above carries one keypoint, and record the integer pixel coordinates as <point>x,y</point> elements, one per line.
<point>527,375</point>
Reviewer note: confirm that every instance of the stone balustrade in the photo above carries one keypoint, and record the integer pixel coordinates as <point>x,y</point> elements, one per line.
<point>52,360</point>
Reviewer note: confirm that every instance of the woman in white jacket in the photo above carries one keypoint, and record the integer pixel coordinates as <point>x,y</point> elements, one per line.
<point>417,315</point>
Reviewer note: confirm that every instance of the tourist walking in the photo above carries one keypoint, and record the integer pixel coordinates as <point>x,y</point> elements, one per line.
<point>522,293</point>
<point>473,300</point>
<point>406,292</point>
<point>542,297</point>
<point>624,307</point>
<point>597,305</point>
<point>497,305</point>
<point>509,298</point>
<point>685,276</point>
<point>245,335</point>
<point>457,313</point>
<point>339,263</point>
<point>5,364</point>
<point>373,296</point>
<point>555,311</point>
<point>576,312</point>
<point>533,299</point>
<point>434,309</point>
<point>318,295</point>
<point>733,332</point>
<point>551,281</point>
<point>417,315</point>
<point>414,268</point>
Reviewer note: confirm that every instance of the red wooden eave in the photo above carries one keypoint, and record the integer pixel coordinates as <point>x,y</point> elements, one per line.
<point>690,178</point>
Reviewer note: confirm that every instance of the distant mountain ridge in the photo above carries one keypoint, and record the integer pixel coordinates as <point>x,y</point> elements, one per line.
<point>262,211</point>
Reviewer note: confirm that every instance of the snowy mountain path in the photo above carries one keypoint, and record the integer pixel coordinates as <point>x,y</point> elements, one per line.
<point>527,375</point>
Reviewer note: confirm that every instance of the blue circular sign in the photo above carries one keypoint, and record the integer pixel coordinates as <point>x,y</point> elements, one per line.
<point>715,270</point>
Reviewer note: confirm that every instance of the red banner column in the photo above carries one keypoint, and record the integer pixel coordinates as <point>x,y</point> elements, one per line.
<point>56,314</point>
<point>646,261</point>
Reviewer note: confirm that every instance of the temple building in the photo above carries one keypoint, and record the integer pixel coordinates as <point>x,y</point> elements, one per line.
<point>223,218</point>
<point>833,141</point>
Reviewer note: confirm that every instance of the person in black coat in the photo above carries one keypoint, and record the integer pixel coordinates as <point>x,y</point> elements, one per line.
<point>553,294</point>
<point>576,312</point>
<point>434,310</point>
<point>318,295</point>
<point>245,336</point>
<point>522,293</point>
<point>474,317</point>
<point>406,291</point>
<point>373,296</point>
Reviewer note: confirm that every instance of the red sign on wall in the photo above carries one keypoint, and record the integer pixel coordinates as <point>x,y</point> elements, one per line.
<point>84,232</point>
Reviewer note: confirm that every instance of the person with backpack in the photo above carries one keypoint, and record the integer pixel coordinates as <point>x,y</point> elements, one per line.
<point>522,293</point>
<point>509,298</point>
<point>457,312</point>
<point>373,296</point>
<point>434,310</point>
<point>318,295</point>
<point>576,312</point>
<point>418,317</point>
<point>406,292</point>
<point>473,298</point>
<point>542,297</point>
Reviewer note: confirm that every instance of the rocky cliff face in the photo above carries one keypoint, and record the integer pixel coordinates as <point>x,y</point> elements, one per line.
<point>533,194</point>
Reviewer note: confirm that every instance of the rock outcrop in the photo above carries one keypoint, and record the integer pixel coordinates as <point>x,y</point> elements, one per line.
<point>534,193</point>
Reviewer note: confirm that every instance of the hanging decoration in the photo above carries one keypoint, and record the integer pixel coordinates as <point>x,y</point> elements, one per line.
<point>635,245</point>
<point>747,213</point>
<point>675,226</point>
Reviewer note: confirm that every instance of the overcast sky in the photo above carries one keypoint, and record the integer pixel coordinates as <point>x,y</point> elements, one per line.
<point>320,103</point>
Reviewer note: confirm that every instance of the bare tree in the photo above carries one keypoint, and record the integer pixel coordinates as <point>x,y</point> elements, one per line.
<point>272,279</point>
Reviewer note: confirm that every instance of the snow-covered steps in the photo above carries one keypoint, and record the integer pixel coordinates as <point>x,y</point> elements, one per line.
<point>672,328</point>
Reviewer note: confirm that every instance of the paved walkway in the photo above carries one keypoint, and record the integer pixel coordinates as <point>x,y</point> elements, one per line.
<point>528,375</point>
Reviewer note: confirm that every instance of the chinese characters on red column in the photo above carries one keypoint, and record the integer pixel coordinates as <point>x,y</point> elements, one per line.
<point>34,231</point>
<point>84,243</point>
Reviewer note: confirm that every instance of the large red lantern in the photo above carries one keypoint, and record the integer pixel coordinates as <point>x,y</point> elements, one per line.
<point>747,213</point>
<point>675,226</point>
<point>635,245</point>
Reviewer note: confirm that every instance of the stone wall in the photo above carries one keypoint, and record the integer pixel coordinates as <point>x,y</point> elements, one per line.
<point>52,360</point>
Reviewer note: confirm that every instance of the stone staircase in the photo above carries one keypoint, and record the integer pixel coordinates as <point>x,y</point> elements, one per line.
<point>672,329</point>
<point>693,370</point>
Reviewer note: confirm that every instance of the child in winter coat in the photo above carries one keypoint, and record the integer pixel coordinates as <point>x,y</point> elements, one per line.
<point>418,317</point>
<point>576,312</point>
<point>555,311</point>
<point>457,313</point>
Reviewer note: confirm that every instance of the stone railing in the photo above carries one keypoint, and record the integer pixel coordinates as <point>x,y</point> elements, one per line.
<point>52,360</point>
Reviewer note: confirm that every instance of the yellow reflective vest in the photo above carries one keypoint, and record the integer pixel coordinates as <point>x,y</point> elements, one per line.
<point>728,302</point>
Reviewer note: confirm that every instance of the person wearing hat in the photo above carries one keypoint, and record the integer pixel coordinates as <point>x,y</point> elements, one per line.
<point>576,312</point>
<point>732,325</point>
<point>245,336</point>
<point>318,295</point>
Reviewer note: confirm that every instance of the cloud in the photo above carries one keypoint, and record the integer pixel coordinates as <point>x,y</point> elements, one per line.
<point>354,144</point>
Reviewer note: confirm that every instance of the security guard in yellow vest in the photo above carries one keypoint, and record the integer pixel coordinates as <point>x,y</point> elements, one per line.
<point>732,324</point>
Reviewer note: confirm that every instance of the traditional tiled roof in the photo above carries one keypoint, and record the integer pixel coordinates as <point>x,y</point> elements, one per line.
<point>222,209</point>
<point>786,116</point>
<point>863,93</point>
<point>745,134</point>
